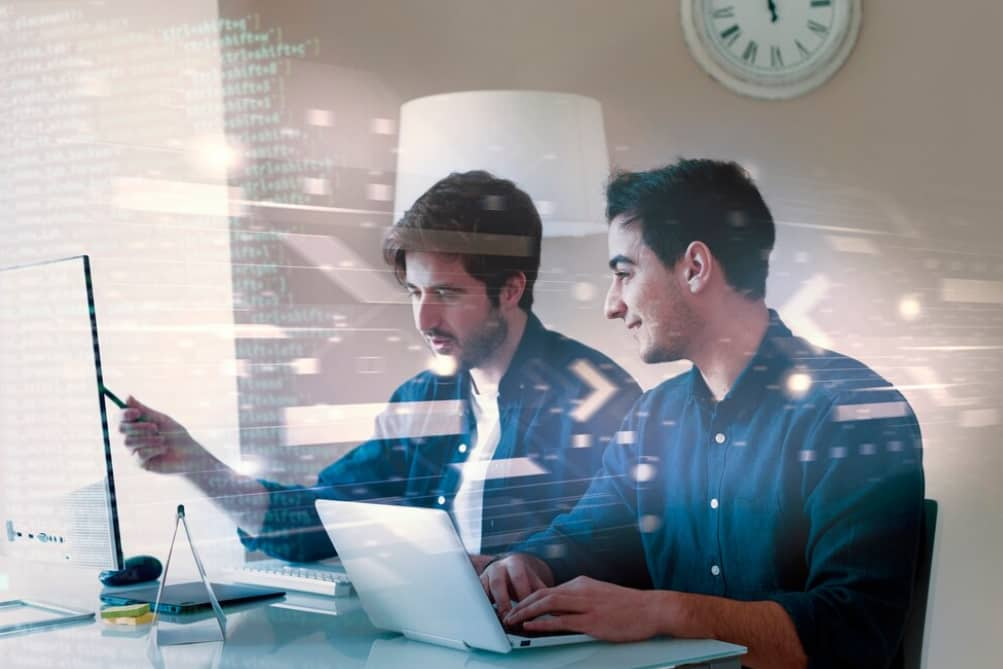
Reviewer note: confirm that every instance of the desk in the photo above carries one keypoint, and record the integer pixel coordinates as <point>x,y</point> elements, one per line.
<point>288,634</point>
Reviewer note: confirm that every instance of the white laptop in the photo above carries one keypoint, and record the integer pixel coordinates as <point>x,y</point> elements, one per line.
<point>413,576</point>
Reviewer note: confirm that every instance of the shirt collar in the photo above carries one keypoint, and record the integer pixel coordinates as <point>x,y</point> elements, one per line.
<point>529,349</point>
<point>772,359</point>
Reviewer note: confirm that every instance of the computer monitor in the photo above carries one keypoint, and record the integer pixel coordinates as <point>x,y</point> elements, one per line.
<point>57,493</point>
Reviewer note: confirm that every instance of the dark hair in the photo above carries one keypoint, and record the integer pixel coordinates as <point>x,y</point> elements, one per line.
<point>491,225</point>
<point>710,201</point>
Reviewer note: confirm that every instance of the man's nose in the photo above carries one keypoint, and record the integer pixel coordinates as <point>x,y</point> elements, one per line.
<point>614,306</point>
<point>427,314</point>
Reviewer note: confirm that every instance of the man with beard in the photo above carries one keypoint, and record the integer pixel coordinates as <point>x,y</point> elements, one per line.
<point>505,442</point>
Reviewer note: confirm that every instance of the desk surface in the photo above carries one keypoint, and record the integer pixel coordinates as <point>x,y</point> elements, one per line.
<point>311,631</point>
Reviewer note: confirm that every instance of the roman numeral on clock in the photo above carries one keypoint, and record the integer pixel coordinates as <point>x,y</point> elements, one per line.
<point>776,58</point>
<point>821,3</point>
<point>818,28</point>
<point>749,55</point>
<point>724,13</point>
<point>731,35</point>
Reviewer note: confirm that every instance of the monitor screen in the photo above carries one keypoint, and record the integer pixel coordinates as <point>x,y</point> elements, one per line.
<point>57,500</point>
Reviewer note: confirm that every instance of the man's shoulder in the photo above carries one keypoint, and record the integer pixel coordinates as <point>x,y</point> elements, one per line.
<point>836,377</point>
<point>843,390</point>
<point>559,349</point>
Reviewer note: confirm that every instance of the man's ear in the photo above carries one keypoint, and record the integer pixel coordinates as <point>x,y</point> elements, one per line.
<point>512,290</point>
<point>696,265</point>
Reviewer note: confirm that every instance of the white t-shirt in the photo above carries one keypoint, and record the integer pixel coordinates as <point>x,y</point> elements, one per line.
<point>468,505</point>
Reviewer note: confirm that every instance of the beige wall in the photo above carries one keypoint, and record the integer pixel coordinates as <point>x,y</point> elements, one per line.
<point>899,150</point>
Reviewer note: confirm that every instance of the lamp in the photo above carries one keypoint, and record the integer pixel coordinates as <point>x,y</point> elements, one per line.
<point>552,145</point>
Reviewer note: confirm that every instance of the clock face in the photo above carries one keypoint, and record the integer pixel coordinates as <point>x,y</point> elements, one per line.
<point>771,48</point>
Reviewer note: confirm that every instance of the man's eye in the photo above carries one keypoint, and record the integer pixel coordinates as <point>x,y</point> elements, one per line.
<point>621,275</point>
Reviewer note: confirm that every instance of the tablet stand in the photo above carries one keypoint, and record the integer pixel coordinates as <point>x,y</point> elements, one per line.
<point>187,634</point>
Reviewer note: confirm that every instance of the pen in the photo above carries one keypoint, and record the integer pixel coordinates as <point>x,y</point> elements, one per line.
<point>114,398</point>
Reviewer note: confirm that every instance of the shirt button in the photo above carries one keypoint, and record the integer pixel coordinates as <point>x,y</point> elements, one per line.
<point>720,438</point>
<point>715,570</point>
<point>463,448</point>
<point>713,503</point>
<point>441,500</point>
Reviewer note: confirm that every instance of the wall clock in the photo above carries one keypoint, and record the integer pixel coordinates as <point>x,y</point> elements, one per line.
<point>771,49</point>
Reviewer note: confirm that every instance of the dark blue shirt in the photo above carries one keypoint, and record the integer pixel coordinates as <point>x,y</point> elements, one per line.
<point>560,403</point>
<point>804,486</point>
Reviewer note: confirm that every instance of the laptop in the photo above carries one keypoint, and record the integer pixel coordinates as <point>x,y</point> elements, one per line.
<point>413,576</point>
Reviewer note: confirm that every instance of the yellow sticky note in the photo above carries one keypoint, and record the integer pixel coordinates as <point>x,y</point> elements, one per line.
<point>133,621</point>
<point>126,611</point>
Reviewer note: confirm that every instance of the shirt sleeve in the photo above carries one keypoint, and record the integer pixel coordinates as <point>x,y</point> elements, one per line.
<point>376,470</point>
<point>291,529</point>
<point>609,418</point>
<point>862,490</point>
<point>601,427</point>
<point>599,537</point>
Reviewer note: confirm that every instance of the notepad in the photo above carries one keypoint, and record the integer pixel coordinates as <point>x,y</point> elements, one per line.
<point>130,621</point>
<point>126,611</point>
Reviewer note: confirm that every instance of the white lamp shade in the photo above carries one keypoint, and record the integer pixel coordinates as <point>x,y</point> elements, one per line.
<point>552,145</point>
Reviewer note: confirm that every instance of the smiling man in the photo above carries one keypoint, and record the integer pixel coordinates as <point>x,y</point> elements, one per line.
<point>775,489</point>
<point>505,440</point>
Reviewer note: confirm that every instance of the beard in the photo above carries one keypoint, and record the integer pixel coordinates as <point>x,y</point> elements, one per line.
<point>480,344</point>
<point>484,341</point>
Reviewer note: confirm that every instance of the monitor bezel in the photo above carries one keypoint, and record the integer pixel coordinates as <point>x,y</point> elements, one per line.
<point>116,537</point>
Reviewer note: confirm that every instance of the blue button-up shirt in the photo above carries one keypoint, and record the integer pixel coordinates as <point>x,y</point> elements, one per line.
<point>560,402</point>
<point>804,486</point>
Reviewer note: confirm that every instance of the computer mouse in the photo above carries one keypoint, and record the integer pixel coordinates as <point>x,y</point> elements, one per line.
<point>138,569</point>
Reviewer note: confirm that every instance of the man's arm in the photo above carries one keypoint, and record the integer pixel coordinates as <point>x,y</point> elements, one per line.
<point>599,537</point>
<point>614,613</point>
<point>762,627</point>
<point>377,470</point>
<point>291,528</point>
<point>241,497</point>
<point>277,519</point>
<point>862,497</point>
<point>860,502</point>
<point>161,444</point>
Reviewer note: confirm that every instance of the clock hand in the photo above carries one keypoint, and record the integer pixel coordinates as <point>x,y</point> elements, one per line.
<point>772,6</point>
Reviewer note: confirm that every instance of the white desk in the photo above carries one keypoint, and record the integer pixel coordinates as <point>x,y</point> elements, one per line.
<point>279,633</point>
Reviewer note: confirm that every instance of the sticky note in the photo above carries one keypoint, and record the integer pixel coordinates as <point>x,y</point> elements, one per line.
<point>133,621</point>
<point>126,611</point>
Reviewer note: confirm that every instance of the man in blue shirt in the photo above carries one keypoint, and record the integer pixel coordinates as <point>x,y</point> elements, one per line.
<point>505,440</point>
<point>776,489</point>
